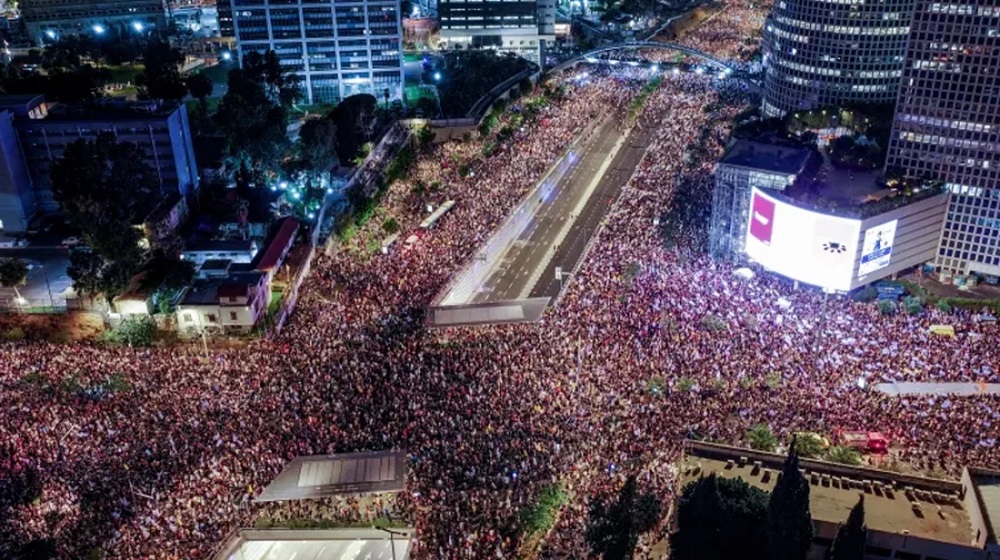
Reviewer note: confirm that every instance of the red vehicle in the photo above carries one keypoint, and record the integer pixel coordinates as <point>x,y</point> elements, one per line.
<point>866,442</point>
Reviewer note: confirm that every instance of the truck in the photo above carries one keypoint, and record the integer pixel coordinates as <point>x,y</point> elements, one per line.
<point>864,441</point>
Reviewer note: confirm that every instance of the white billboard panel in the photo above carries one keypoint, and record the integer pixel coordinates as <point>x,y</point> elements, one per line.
<point>876,250</point>
<point>803,245</point>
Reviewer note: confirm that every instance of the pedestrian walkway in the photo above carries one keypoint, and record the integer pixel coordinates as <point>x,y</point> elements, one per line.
<point>898,389</point>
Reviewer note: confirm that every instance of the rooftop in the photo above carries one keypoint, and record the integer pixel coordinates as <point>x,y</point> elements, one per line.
<point>216,245</point>
<point>103,110</point>
<point>789,160</point>
<point>986,483</point>
<point>275,249</point>
<point>325,544</point>
<point>831,499</point>
<point>316,476</point>
<point>207,292</point>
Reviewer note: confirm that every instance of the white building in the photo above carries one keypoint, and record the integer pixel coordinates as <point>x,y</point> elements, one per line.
<point>232,305</point>
<point>521,27</point>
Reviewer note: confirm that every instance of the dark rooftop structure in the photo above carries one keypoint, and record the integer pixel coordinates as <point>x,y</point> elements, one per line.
<point>986,484</point>
<point>776,158</point>
<point>274,251</point>
<point>207,292</point>
<point>316,476</point>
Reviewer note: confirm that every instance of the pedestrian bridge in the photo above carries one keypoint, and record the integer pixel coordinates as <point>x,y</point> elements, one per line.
<point>663,45</point>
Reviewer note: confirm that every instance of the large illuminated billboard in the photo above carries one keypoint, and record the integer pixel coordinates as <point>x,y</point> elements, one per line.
<point>803,245</point>
<point>876,250</point>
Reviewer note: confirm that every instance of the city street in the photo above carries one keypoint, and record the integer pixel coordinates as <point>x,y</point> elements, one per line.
<point>47,279</point>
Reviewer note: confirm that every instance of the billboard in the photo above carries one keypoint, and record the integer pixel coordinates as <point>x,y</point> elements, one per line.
<point>876,249</point>
<point>803,245</point>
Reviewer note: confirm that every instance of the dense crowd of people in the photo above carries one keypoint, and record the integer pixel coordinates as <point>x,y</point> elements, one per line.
<point>650,344</point>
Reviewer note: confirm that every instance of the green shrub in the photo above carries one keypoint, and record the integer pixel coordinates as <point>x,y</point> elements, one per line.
<point>390,226</point>
<point>685,384</point>
<point>844,455</point>
<point>133,332</point>
<point>887,307</point>
<point>541,516</point>
<point>15,334</point>
<point>866,294</point>
<point>943,305</point>
<point>761,438</point>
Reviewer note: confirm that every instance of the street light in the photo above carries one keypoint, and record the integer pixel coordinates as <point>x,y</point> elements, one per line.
<point>50,34</point>
<point>137,26</point>
<point>226,55</point>
<point>437,76</point>
<point>99,29</point>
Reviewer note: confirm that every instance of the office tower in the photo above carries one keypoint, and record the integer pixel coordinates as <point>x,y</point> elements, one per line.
<point>819,53</point>
<point>522,27</point>
<point>337,47</point>
<point>46,20</point>
<point>224,9</point>
<point>160,129</point>
<point>947,124</point>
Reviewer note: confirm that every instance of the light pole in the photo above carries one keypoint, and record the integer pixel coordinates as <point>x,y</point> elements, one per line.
<point>392,543</point>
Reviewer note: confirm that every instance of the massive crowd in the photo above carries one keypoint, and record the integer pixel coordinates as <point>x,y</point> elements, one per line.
<point>607,385</point>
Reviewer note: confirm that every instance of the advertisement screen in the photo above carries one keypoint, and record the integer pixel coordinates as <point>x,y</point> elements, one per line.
<point>876,250</point>
<point>801,244</point>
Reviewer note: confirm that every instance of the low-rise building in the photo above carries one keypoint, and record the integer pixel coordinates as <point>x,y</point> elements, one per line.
<point>230,305</point>
<point>17,202</point>
<point>908,517</point>
<point>271,258</point>
<point>47,20</point>
<point>237,251</point>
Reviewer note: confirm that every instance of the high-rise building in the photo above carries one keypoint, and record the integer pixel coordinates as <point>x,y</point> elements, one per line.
<point>224,9</point>
<point>522,27</point>
<point>43,132</point>
<point>947,125</point>
<point>337,47</point>
<point>17,202</point>
<point>47,20</point>
<point>819,53</point>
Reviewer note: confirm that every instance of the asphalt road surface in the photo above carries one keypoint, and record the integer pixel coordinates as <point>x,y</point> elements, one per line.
<point>533,257</point>
<point>570,251</point>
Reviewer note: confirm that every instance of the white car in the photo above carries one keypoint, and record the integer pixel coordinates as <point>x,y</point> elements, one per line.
<point>71,241</point>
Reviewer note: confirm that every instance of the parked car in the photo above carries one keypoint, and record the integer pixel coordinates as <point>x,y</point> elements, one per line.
<point>71,241</point>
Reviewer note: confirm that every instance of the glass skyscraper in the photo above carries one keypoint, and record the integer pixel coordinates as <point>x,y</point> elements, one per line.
<point>819,53</point>
<point>519,26</point>
<point>947,124</point>
<point>337,47</point>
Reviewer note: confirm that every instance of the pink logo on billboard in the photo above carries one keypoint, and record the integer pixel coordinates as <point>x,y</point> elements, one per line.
<point>761,219</point>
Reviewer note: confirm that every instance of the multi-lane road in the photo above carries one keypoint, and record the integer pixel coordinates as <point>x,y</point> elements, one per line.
<point>567,213</point>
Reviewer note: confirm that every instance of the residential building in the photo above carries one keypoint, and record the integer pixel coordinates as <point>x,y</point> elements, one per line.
<point>271,258</point>
<point>47,20</point>
<point>230,305</point>
<point>337,47</point>
<point>237,251</point>
<point>908,517</point>
<point>17,202</point>
<point>744,166</point>
<point>521,27</point>
<point>160,129</point>
<point>947,126</point>
<point>818,53</point>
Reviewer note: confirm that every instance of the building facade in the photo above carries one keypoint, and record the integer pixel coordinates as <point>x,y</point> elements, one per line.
<point>160,129</point>
<point>17,202</point>
<point>521,27</point>
<point>47,20</point>
<point>818,53</point>
<point>338,48</point>
<point>744,166</point>
<point>947,125</point>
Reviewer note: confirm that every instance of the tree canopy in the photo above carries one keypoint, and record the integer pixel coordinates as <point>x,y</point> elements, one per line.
<point>789,525</point>
<point>720,519</point>
<point>614,526</point>
<point>849,543</point>
<point>104,187</point>
<point>350,118</point>
<point>161,78</point>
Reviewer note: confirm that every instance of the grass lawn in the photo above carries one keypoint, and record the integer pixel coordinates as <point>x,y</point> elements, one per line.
<point>412,56</point>
<point>413,93</point>
<point>125,72</point>
<point>130,91</point>
<point>219,73</point>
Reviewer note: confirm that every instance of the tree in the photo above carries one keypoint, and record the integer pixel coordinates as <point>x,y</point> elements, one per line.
<point>200,87</point>
<point>614,528</point>
<point>719,519</point>
<point>317,144</point>
<point>104,187</point>
<point>844,455</point>
<point>808,445</point>
<point>161,78</point>
<point>386,95</point>
<point>761,438</point>
<point>13,273</point>
<point>849,543</point>
<point>254,113</point>
<point>789,526</point>
<point>350,118</point>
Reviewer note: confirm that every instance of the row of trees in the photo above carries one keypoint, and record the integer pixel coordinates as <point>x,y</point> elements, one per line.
<point>724,518</point>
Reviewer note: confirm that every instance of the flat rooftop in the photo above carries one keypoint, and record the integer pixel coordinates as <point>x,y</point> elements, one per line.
<point>987,486</point>
<point>789,160</point>
<point>831,501</point>
<point>317,544</point>
<point>316,476</point>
